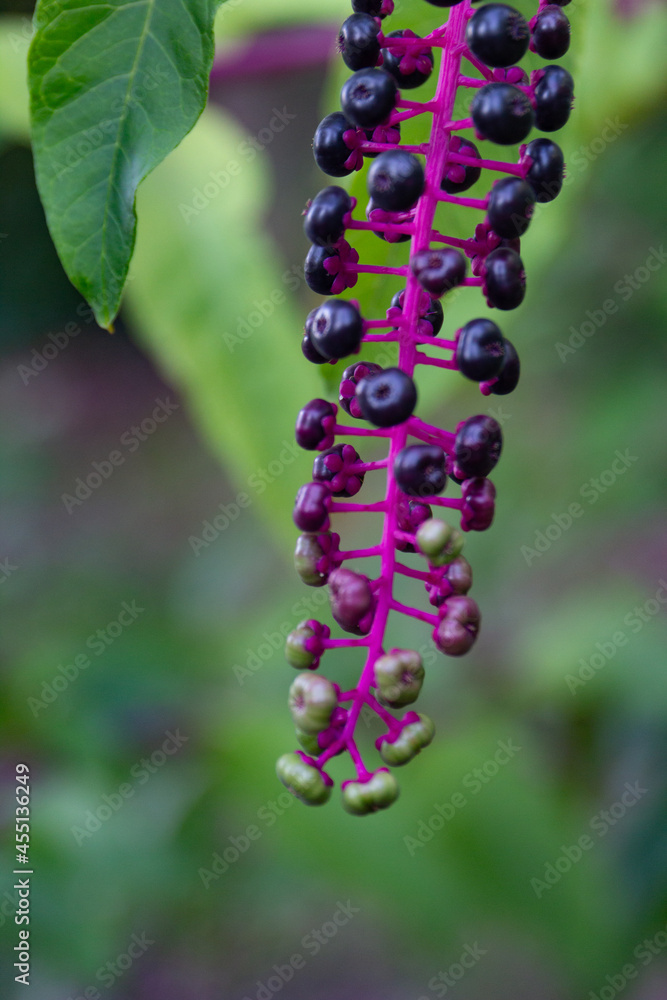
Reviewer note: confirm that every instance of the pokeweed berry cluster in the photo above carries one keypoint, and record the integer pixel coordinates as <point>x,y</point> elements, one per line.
<point>404,195</point>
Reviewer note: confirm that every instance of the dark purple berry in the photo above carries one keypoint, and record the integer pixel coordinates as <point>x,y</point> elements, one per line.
<point>311,508</point>
<point>551,33</point>
<point>419,470</point>
<point>324,223</point>
<point>372,212</point>
<point>480,350</point>
<point>504,279</point>
<point>347,392</point>
<point>554,93</point>
<point>456,632</point>
<point>317,277</point>
<point>314,425</point>
<point>430,312</point>
<point>395,180</point>
<point>498,35</point>
<point>409,515</point>
<point>352,601</point>
<point>405,69</point>
<point>511,204</point>
<point>387,397</point>
<point>333,467</point>
<point>510,371</point>
<point>477,447</point>
<point>502,113</point>
<point>546,170</point>
<point>368,97</point>
<point>358,41</point>
<point>439,270</point>
<point>479,504</point>
<point>336,329</point>
<point>372,7</point>
<point>309,352</point>
<point>458,177</point>
<point>329,148</point>
<point>444,3</point>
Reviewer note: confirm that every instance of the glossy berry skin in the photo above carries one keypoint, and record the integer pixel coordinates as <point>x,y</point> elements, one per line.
<point>308,554</point>
<point>502,113</point>
<point>368,97</point>
<point>324,223</point>
<point>352,375</point>
<point>363,797</point>
<point>387,397</point>
<point>410,514</point>
<point>332,467</point>
<point>329,147</point>
<point>477,447</point>
<point>444,3</point>
<point>395,180</point>
<point>312,699</point>
<point>303,646</point>
<point>551,33</point>
<point>504,279</point>
<point>358,41</point>
<point>510,372</point>
<point>303,780</point>
<point>314,425</point>
<point>399,676</point>
<point>309,352</point>
<point>459,177</point>
<point>431,314</point>
<point>479,502</point>
<point>372,211</point>
<point>498,35</point>
<point>439,542</point>
<point>372,7</point>
<point>439,270</point>
<point>511,205</point>
<point>419,470</point>
<point>317,277</point>
<point>412,738</point>
<point>311,508</point>
<point>554,93</point>
<point>546,170</point>
<point>480,350</point>
<point>459,575</point>
<point>352,602</point>
<point>414,77</point>
<point>336,329</point>
<point>457,630</point>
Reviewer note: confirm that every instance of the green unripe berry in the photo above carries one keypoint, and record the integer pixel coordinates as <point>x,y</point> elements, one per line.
<point>296,653</point>
<point>312,699</point>
<point>439,541</point>
<point>363,797</point>
<point>302,779</point>
<point>399,676</point>
<point>307,554</point>
<point>309,743</point>
<point>413,738</point>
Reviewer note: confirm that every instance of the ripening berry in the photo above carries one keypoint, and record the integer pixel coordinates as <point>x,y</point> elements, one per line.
<point>551,33</point>
<point>504,279</point>
<point>395,180</point>
<point>479,501</point>
<point>480,350</point>
<point>333,467</point>
<point>368,97</point>
<point>387,397</point>
<point>358,41</point>
<point>303,780</point>
<point>399,676</point>
<point>412,738</point>
<point>459,177</point>
<point>554,93</point>
<point>498,35</point>
<point>457,630</point>
<point>314,425</point>
<point>363,797</point>
<point>352,601</point>
<point>502,113</point>
<point>439,270</point>
<point>510,371</point>
<point>419,470</point>
<point>310,559</point>
<point>439,542</point>
<point>329,147</point>
<point>546,170</point>
<point>352,375</point>
<point>336,329</point>
<point>408,71</point>
<point>511,205</point>
<point>479,441</point>
<point>410,514</point>
<point>324,223</point>
<point>311,508</point>
<point>303,646</point>
<point>312,699</point>
<point>459,575</point>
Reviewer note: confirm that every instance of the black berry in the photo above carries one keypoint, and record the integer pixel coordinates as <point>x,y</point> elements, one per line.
<point>510,370</point>
<point>329,147</point>
<point>502,113</point>
<point>504,279</point>
<point>430,312</point>
<point>551,33</point>
<point>336,329</point>
<point>479,504</point>
<point>384,234</point>
<point>368,97</point>
<point>438,271</point>
<point>324,223</point>
<point>444,3</point>
<point>358,41</point>
<point>457,177</point>
<point>387,397</point>
<point>332,467</point>
<point>395,180</point>
<point>420,470</point>
<point>546,170</point>
<point>412,77</point>
<point>317,277</point>
<point>480,350</point>
<point>352,375</point>
<point>477,447</point>
<point>554,92</point>
<point>372,7</point>
<point>314,425</point>
<point>511,205</point>
<point>498,35</point>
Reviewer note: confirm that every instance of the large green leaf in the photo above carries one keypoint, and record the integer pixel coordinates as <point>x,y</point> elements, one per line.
<point>114,87</point>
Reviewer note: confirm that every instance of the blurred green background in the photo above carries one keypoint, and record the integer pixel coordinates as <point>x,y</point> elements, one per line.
<point>148,881</point>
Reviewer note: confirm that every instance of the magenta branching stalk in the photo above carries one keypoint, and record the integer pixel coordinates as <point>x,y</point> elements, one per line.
<point>404,197</point>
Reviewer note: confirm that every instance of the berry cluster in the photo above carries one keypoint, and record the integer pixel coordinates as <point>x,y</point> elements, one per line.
<point>405,186</point>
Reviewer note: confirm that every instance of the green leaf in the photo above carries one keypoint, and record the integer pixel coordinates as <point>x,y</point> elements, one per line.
<point>114,87</point>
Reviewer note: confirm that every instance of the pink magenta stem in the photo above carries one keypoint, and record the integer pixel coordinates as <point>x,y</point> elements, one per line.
<point>348,508</point>
<point>378,147</point>
<point>453,199</point>
<point>381,338</point>
<point>417,574</point>
<point>385,715</point>
<point>403,536</point>
<point>423,359</point>
<point>368,466</point>
<point>381,227</point>
<point>423,616</point>
<point>340,643</point>
<point>376,269</point>
<point>452,241</point>
<point>446,502</point>
<point>376,550</point>
<point>457,126</point>
<point>378,324</point>
<point>361,431</point>
<point>447,345</point>
<point>470,81</point>
<point>405,102</point>
<point>472,161</point>
<point>418,428</point>
<point>479,66</point>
